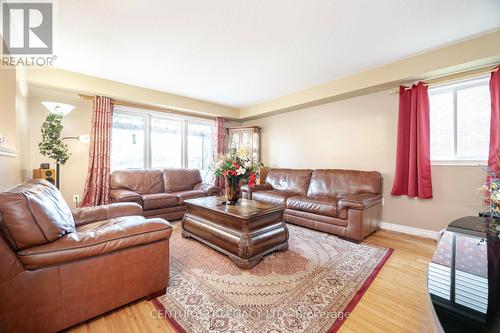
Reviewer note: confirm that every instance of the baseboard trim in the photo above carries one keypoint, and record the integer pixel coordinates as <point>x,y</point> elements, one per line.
<point>409,230</point>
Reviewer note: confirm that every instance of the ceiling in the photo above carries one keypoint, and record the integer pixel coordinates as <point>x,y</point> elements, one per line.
<point>239,52</point>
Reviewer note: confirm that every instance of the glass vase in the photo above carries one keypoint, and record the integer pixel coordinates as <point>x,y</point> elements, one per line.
<point>232,190</point>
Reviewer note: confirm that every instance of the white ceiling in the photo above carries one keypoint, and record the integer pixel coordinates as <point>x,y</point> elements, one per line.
<point>241,52</point>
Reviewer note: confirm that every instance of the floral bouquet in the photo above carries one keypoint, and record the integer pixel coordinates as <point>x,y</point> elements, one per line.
<point>492,189</point>
<point>234,167</point>
<point>495,197</point>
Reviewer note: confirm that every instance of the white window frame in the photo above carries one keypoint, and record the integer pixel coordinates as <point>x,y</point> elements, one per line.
<point>453,87</point>
<point>148,115</point>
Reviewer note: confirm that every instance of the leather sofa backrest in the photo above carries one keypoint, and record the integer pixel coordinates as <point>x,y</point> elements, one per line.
<point>175,180</point>
<point>289,180</point>
<point>334,182</point>
<point>34,213</point>
<point>140,181</point>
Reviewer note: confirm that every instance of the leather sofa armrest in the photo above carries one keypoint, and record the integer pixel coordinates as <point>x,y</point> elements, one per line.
<point>210,189</point>
<point>359,201</point>
<point>85,215</point>
<point>123,195</point>
<point>257,187</point>
<point>132,231</point>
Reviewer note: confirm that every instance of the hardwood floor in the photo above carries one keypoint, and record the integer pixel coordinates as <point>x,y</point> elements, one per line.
<point>395,302</point>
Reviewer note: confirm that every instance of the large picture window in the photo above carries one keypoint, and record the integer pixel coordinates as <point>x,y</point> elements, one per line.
<point>127,142</point>
<point>460,121</point>
<point>150,140</point>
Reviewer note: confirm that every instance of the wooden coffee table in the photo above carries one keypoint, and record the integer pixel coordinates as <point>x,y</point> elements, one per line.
<point>245,232</point>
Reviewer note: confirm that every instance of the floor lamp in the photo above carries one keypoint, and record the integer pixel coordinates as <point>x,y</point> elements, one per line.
<point>62,109</point>
<point>84,138</point>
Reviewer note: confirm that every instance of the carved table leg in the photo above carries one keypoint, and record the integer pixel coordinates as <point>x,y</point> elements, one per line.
<point>245,263</point>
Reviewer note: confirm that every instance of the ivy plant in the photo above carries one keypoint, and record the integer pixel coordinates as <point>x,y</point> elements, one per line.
<point>51,144</point>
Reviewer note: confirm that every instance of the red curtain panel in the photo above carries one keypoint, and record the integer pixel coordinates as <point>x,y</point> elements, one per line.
<point>494,152</point>
<point>220,145</point>
<point>97,185</point>
<point>413,162</point>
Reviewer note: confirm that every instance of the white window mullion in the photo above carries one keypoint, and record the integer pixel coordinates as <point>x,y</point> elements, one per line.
<point>185,143</point>
<point>455,124</point>
<point>147,142</point>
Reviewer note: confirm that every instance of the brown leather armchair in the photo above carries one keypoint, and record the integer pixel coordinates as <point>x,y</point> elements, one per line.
<point>59,268</point>
<point>347,203</point>
<point>161,193</point>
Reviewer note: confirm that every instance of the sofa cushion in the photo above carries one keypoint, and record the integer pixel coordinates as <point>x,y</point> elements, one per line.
<point>289,180</point>
<point>140,181</point>
<point>184,195</point>
<point>34,213</point>
<point>97,238</point>
<point>273,197</point>
<point>318,205</point>
<point>335,182</point>
<point>175,180</point>
<point>159,200</point>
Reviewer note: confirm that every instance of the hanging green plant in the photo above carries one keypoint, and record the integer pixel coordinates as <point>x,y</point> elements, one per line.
<point>51,144</point>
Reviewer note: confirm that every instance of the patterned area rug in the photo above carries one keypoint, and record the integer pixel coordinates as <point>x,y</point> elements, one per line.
<point>312,287</point>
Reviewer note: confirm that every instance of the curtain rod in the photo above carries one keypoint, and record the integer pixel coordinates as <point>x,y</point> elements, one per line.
<point>150,107</point>
<point>471,72</point>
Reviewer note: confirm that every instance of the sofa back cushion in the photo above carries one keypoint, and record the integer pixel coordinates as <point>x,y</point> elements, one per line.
<point>289,180</point>
<point>140,181</point>
<point>335,182</point>
<point>34,213</point>
<point>175,180</point>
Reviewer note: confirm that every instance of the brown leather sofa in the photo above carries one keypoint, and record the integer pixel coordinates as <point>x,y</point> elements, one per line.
<point>59,268</point>
<point>347,203</point>
<point>161,193</point>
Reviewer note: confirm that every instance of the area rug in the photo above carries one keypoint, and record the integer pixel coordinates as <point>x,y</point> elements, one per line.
<point>312,287</point>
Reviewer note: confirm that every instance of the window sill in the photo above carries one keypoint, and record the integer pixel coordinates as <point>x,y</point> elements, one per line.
<point>459,163</point>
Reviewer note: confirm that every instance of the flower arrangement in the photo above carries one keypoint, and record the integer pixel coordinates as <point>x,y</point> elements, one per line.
<point>495,197</point>
<point>234,167</point>
<point>236,164</point>
<point>492,189</point>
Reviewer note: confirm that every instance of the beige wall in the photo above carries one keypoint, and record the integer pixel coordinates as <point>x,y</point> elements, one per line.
<point>23,123</point>
<point>13,124</point>
<point>360,133</point>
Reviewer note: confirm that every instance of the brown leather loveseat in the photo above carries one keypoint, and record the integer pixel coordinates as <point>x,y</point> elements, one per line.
<point>161,193</point>
<point>59,268</point>
<point>347,203</point>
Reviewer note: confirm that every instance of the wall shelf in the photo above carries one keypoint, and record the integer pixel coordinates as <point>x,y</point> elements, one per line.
<point>8,152</point>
